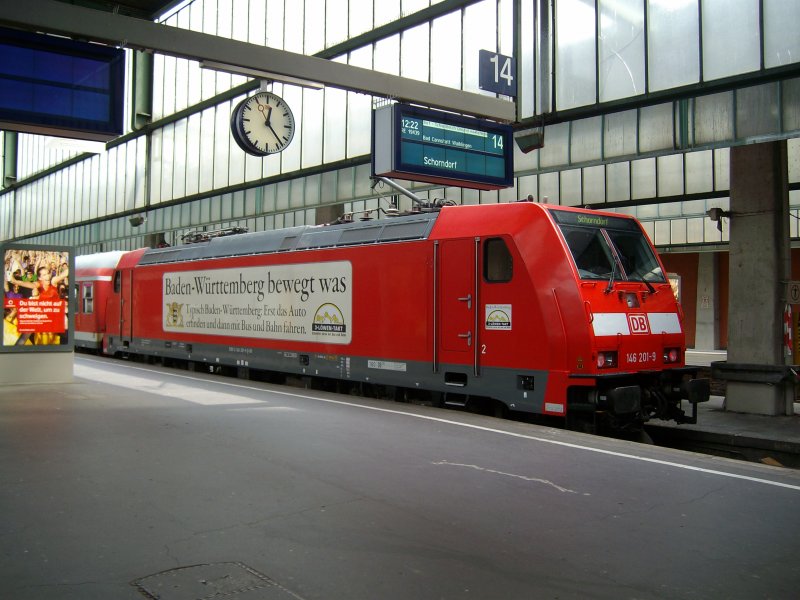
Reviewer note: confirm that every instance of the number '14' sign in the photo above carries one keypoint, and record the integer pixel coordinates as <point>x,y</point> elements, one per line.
<point>497,73</point>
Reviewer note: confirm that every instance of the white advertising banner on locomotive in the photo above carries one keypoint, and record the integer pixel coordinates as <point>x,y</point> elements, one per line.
<point>309,302</point>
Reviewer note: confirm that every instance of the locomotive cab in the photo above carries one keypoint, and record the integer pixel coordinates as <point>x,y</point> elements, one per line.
<point>635,361</point>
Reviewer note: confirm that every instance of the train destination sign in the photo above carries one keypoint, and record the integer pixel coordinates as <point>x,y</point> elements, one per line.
<point>420,144</point>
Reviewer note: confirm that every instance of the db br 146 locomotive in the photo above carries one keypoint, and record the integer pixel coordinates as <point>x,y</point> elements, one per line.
<point>522,306</point>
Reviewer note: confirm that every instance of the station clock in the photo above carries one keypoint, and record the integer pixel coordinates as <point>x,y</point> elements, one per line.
<point>262,124</point>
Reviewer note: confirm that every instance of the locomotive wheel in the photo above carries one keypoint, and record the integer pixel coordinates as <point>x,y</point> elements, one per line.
<point>499,409</point>
<point>581,417</point>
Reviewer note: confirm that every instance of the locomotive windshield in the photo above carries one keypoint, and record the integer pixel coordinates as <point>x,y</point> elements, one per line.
<point>608,248</point>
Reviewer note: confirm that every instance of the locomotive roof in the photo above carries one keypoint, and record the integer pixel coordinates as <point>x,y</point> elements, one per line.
<point>411,227</point>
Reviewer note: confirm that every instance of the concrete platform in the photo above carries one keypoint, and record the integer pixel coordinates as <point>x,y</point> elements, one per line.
<point>136,482</point>
<point>769,439</point>
<point>704,358</point>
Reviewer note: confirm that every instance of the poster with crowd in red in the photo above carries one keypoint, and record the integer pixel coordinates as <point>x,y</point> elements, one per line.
<point>35,297</point>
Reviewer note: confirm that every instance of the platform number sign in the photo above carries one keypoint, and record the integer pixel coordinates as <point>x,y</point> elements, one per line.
<point>497,73</point>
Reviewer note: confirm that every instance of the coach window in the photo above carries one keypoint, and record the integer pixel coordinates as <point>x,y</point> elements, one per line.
<point>117,282</point>
<point>498,266</point>
<point>76,293</point>
<point>87,299</point>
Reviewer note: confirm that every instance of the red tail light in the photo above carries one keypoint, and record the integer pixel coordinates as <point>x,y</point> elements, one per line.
<point>671,355</point>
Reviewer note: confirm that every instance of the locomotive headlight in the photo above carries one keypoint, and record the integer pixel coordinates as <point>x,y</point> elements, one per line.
<point>671,355</point>
<point>606,360</point>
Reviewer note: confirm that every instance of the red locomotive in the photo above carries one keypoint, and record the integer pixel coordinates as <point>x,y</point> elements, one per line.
<point>528,307</point>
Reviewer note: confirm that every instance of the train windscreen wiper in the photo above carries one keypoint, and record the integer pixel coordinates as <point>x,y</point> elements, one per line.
<point>615,262</point>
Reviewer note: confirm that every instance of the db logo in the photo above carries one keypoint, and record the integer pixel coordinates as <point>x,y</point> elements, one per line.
<point>638,324</point>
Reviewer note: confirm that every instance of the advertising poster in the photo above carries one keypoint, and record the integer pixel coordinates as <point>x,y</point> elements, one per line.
<point>301,302</point>
<point>35,297</point>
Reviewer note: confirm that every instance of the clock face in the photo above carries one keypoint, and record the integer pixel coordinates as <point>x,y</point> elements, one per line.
<point>262,124</point>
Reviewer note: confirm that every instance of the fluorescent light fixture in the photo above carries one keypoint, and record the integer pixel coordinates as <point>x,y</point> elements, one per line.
<point>70,145</point>
<point>259,74</point>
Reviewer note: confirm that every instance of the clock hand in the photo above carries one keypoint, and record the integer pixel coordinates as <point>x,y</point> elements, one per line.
<point>266,112</point>
<point>273,132</point>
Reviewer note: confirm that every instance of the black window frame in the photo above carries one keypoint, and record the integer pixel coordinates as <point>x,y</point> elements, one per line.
<point>491,258</point>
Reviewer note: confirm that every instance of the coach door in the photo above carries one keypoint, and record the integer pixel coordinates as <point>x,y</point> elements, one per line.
<point>457,301</point>
<point>126,306</point>
<point>120,306</point>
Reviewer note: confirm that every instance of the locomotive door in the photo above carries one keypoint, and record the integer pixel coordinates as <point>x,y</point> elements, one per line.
<point>458,303</point>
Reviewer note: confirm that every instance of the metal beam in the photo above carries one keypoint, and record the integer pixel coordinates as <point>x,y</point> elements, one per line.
<point>122,31</point>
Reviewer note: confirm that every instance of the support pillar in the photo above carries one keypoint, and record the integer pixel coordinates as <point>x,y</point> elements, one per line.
<point>707,321</point>
<point>759,267</point>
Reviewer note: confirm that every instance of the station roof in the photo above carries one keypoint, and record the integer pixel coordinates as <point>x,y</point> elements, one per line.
<point>143,9</point>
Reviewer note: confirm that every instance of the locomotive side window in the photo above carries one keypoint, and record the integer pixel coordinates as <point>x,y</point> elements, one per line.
<point>498,266</point>
<point>117,282</point>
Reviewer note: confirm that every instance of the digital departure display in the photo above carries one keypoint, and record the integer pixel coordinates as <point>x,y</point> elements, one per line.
<point>439,147</point>
<point>54,86</point>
